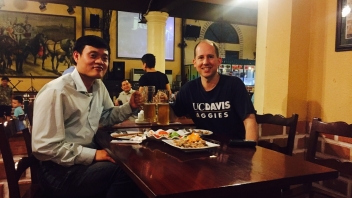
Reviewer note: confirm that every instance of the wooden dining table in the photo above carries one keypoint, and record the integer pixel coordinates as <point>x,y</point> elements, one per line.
<point>179,123</point>
<point>161,170</point>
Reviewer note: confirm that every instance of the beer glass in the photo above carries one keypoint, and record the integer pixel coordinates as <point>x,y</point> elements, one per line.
<point>163,107</point>
<point>149,103</point>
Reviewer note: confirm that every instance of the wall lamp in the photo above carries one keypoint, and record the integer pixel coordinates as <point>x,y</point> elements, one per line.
<point>42,6</point>
<point>70,10</point>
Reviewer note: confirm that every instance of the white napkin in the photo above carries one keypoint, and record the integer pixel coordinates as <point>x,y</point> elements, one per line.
<point>134,140</point>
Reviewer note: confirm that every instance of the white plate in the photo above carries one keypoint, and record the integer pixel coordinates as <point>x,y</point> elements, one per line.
<point>127,137</point>
<point>201,131</point>
<point>210,145</point>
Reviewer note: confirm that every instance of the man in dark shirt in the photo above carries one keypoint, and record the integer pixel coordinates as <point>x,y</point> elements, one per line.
<point>152,77</point>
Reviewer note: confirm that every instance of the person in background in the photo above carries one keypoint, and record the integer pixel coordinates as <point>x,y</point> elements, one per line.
<point>6,93</point>
<point>17,103</point>
<point>72,107</point>
<point>215,102</point>
<point>125,94</point>
<point>152,77</point>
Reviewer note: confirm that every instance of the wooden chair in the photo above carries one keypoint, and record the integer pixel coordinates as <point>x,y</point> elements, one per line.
<point>279,120</point>
<point>14,172</point>
<point>341,129</point>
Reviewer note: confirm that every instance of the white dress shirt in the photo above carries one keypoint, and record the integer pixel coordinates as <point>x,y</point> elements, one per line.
<point>66,118</point>
<point>125,97</point>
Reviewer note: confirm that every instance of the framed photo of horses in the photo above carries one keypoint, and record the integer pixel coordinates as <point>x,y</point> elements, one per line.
<point>35,45</point>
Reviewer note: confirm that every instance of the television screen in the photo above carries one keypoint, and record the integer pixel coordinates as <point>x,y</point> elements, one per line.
<point>132,36</point>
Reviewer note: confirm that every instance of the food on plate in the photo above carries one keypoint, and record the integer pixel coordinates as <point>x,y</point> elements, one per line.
<point>162,134</point>
<point>191,141</point>
<point>174,134</point>
<point>201,132</point>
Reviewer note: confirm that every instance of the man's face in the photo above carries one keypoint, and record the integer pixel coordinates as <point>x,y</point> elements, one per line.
<point>126,86</point>
<point>15,103</point>
<point>4,83</point>
<point>206,62</point>
<point>92,63</point>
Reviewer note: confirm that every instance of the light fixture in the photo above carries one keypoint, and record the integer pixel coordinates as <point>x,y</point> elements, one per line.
<point>42,6</point>
<point>346,10</point>
<point>70,10</point>
<point>142,19</point>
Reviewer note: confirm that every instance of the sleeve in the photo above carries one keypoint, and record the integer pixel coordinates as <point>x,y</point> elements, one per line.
<point>48,140</point>
<point>114,114</point>
<point>16,112</point>
<point>142,81</point>
<point>180,104</point>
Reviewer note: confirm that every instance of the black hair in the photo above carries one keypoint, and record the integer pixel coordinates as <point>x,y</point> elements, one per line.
<point>211,43</point>
<point>91,40</point>
<point>149,60</point>
<point>18,98</point>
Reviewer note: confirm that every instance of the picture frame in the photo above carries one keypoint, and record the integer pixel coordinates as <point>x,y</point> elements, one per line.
<point>35,45</point>
<point>343,27</point>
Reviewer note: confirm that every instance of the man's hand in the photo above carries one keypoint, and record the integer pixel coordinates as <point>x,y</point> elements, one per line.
<point>102,155</point>
<point>136,100</point>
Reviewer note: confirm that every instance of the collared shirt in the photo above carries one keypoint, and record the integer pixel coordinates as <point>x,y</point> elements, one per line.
<point>5,95</point>
<point>125,97</point>
<point>66,118</point>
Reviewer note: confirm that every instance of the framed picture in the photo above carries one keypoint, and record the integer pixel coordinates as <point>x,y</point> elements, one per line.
<point>343,26</point>
<point>36,45</point>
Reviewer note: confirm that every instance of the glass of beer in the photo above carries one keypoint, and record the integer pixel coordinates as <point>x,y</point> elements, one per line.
<point>149,105</point>
<point>163,107</point>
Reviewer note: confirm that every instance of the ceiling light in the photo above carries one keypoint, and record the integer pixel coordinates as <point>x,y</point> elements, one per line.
<point>42,7</point>
<point>70,10</point>
<point>346,10</point>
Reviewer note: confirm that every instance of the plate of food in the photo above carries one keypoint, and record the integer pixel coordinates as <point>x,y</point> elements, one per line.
<point>127,135</point>
<point>165,134</point>
<point>201,131</point>
<point>191,142</point>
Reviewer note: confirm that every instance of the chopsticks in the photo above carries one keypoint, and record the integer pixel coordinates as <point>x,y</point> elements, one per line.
<point>126,134</point>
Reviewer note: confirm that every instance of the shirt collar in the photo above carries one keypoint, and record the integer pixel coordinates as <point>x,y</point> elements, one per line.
<point>79,83</point>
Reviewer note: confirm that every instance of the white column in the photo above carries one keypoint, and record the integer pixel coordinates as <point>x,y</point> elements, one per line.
<point>156,37</point>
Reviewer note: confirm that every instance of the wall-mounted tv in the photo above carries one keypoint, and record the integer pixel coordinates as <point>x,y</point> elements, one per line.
<point>132,36</point>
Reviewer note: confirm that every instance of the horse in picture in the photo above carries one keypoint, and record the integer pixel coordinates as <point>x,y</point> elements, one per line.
<point>61,50</point>
<point>35,47</point>
<point>9,47</point>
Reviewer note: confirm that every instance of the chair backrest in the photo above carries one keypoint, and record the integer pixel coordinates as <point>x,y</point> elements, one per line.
<point>279,120</point>
<point>13,172</point>
<point>341,129</point>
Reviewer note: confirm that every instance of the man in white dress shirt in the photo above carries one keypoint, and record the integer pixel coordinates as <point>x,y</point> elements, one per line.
<point>67,113</point>
<point>125,94</point>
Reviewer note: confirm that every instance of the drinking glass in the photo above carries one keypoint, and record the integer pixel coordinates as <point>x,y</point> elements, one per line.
<point>149,105</point>
<point>163,107</point>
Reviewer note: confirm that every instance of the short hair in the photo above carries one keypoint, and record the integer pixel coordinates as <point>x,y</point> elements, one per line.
<point>18,98</point>
<point>209,42</point>
<point>149,60</point>
<point>91,40</point>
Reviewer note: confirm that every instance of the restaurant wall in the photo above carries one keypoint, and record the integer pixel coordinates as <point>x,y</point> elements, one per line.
<point>32,7</point>
<point>248,35</point>
<point>329,72</point>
